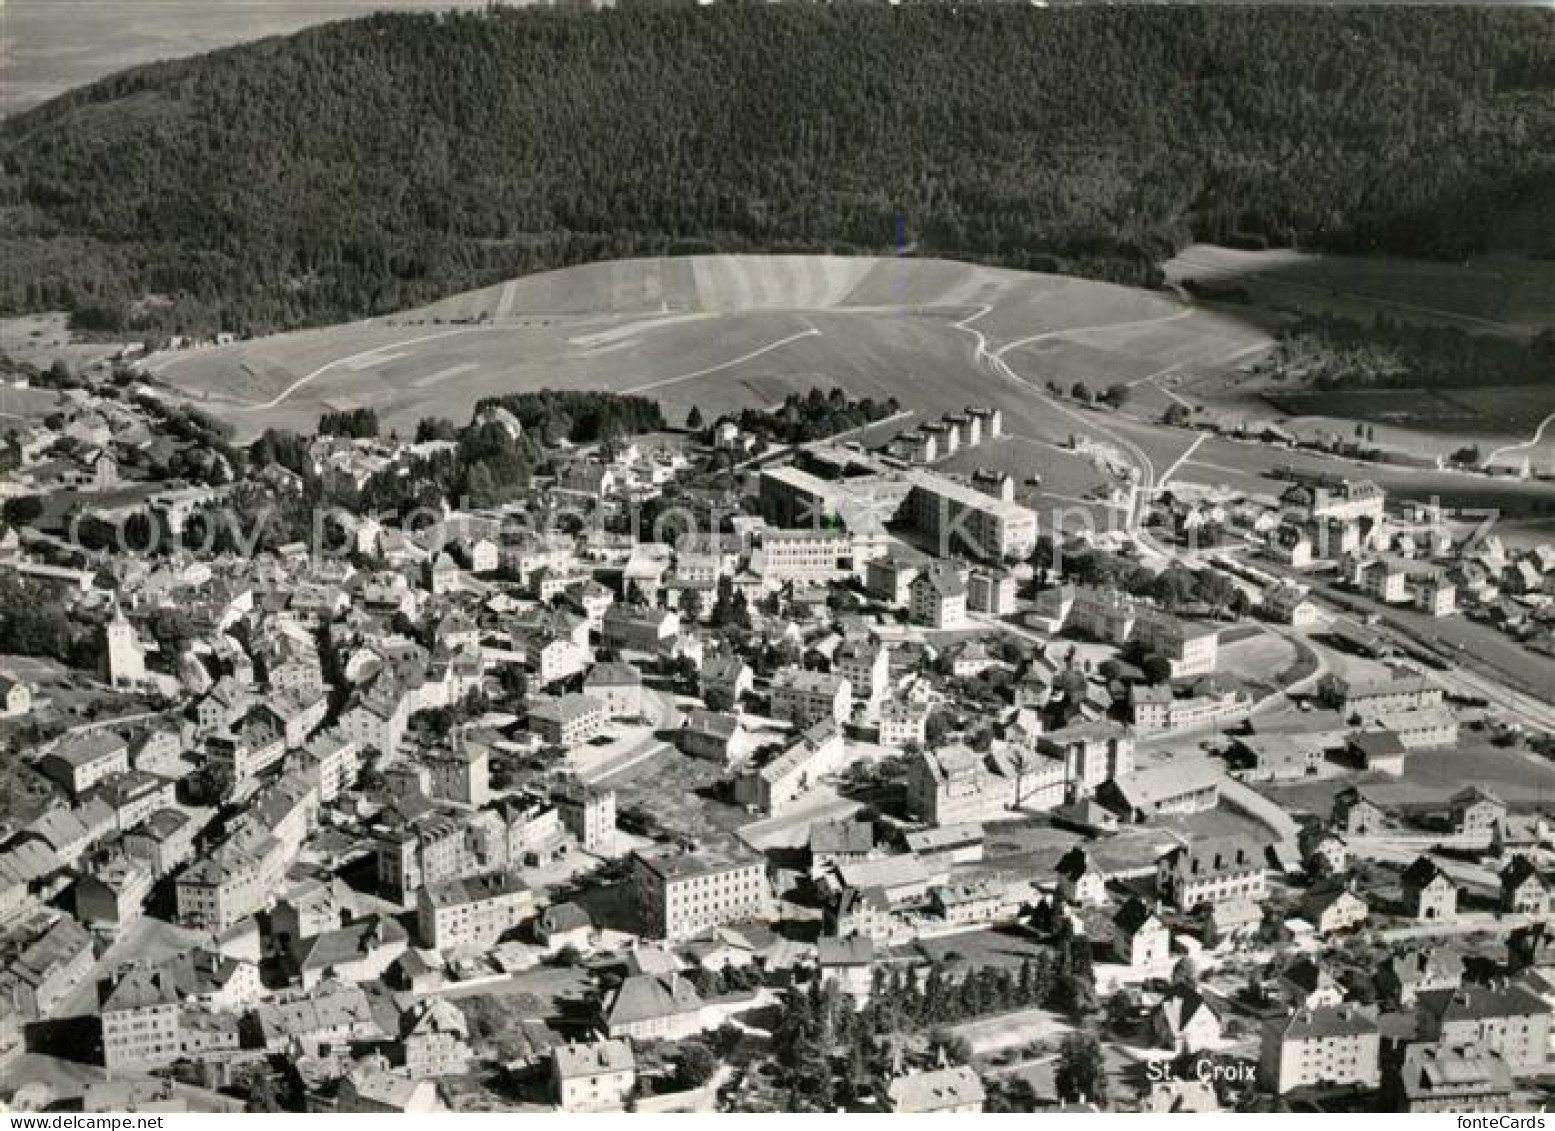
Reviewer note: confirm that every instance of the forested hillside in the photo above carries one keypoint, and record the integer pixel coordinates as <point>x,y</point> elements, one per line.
<point>373,165</point>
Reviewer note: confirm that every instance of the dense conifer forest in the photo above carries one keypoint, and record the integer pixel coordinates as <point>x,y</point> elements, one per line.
<point>368,166</point>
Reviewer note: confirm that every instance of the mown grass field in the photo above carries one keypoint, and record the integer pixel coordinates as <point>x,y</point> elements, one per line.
<point>1498,293</point>
<point>23,405</point>
<point>1502,295</point>
<point>719,332</point>
<point>723,333</point>
<point>1430,422</point>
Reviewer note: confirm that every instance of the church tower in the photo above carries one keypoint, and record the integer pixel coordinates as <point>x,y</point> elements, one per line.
<point>124,656</point>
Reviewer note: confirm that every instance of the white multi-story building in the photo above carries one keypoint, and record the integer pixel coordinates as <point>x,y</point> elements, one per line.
<point>336,760</point>
<point>1091,753</point>
<point>804,556</point>
<point>903,722</point>
<point>820,750</point>
<point>140,1022</point>
<point>473,912</point>
<point>956,785</point>
<point>991,591</point>
<point>589,814</point>
<point>236,881</point>
<point>1332,1046</point>
<point>1343,499</point>
<point>569,720</point>
<point>1191,649</point>
<point>248,754</point>
<point>1434,594</point>
<point>80,762</point>
<point>598,1076</point>
<point>866,664</point>
<point>682,895</point>
<point>1103,613</point>
<point>378,720</point>
<point>1387,581</point>
<point>1211,872</point>
<point>937,597</point>
<point>805,697</point>
<point>619,687</point>
<point>958,518</point>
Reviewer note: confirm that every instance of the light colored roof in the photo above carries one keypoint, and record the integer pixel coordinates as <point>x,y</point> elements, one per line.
<point>560,917</point>
<point>1156,784</point>
<point>57,946</point>
<point>648,997</point>
<point>823,683</point>
<point>595,1059</point>
<point>1443,1071</point>
<point>943,579</point>
<point>82,750</point>
<point>474,889</point>
<point>25,861</point>
<point>1329,1021</point>
<point>886,872</point>
<point>334,1006</point>
<point>613,675</point>
<point>944,837</point>
<point>842,836</point>
<point>349,943</point>
<point>141,988</point>
<point>568,708</point>
<point>712,724</point>
<point>685,865</point>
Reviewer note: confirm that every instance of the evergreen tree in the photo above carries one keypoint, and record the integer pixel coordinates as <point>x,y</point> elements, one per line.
<point>1081,1072</point>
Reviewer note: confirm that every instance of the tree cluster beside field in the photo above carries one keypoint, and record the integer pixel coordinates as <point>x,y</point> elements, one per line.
<point>801,419</point>
<point>1327,352</point>
<point>830,1055</point>
<point>371,166</point>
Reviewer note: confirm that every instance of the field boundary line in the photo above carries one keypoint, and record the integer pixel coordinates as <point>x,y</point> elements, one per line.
<point>812,332</point>
<point>1180,460</point>
<point>1020,343</point>
<point>1215,269</point>
<point>279,398</point>
<point>1538,434</point>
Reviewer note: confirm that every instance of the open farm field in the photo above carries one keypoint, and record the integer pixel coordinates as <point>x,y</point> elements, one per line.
<point>725,333</point>
<point>1253,468</point>
<point>1433,422</point>
<point>1453,412</point>
<point>721,332</point>
<point>27,404</point>
<point>41,339</point>
<point>1500,293</point>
